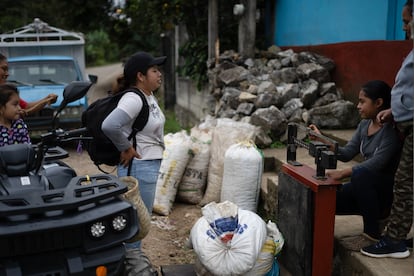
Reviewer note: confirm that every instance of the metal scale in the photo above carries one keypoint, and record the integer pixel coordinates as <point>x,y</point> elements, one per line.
<point>306,204</point>
<point>325,157</point>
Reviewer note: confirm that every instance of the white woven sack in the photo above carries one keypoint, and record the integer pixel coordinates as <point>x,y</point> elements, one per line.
<point>242,176</point>
<point>272,247</point>
<point>175,158</point>
<point>192,186</point>
<point>266,259</point>
<point>237,256</point>
<point>226,133</point>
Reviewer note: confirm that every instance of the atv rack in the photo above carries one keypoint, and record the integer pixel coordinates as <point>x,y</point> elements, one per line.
<point>80,191</point>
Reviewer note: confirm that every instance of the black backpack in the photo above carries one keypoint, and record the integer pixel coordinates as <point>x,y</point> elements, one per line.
<point>101,149</point>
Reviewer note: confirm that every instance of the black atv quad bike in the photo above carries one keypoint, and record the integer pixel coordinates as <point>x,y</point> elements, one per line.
<point>53,222</point>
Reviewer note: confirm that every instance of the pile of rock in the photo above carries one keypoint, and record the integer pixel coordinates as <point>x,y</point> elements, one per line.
<point>277,88</point>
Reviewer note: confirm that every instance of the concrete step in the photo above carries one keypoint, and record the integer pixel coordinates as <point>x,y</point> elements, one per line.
<point>346,262</point>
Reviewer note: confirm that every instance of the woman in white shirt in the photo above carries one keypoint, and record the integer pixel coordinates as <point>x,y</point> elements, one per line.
<point>141,72</point>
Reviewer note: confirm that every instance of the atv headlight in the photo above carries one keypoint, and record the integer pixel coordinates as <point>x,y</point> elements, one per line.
<point>97,229</point>
<point>119,223</point>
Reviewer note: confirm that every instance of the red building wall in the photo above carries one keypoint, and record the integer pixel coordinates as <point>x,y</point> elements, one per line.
<point>359,62</point>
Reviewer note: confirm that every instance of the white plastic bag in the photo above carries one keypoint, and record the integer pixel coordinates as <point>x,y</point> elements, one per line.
<point>242,176</point>
<point>228,240</point>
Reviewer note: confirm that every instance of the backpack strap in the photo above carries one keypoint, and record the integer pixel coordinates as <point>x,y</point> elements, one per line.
<point>111,172</point>
<point>139,122</point>
<point>143,115</point>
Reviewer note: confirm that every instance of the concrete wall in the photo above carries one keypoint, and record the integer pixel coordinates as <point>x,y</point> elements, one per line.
<point>191,105</point>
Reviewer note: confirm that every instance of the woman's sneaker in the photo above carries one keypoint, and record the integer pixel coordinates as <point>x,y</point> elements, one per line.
<point>386,247</point>
<point>409,243</point>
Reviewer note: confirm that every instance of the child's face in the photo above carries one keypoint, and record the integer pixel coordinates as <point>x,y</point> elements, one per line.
<point>368,109</point>
<point>11,111</point>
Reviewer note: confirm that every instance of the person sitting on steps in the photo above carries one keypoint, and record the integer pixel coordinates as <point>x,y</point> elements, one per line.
<point>369,191</point>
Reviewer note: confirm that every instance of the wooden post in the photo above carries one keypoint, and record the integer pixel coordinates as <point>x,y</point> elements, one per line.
<point>247,29</point>
<point>212,28</point>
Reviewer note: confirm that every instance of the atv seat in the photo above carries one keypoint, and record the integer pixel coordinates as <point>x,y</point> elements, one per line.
<point>17,163</point>
<point>17,159</point>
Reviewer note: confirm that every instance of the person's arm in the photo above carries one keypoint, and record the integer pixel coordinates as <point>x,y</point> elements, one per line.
<point>112,128</point>
<point>32,107</point>
<point>386,147</point>
<point>340,174</point>
<point>22,103</point>
<point>384,116</point>
<point>126,112</point>
<point>346,153</point>
<point>313,137</point>
<point>353,147</point>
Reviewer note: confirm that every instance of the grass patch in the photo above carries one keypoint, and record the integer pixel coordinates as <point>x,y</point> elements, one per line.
<point>171,124</point>
<point>277,145</point>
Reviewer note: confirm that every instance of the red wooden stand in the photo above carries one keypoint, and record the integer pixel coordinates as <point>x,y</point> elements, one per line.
<point>324,195</point>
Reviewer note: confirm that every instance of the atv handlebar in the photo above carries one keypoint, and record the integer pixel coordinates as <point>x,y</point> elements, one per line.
<point>76,132</point>
<point>59,136</point>
<point>49,146</point>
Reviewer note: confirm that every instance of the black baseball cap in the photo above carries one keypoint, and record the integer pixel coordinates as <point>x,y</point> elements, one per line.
<point>140,62</point>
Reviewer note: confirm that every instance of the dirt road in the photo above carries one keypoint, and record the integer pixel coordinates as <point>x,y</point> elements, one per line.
<point>106,75</point>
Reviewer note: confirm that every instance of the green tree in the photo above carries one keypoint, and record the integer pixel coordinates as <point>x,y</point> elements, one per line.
<point>88,17</point>
<point>151,18</point>
<point>99,48</point>
<point>77,15</point>
<point>139,28</point>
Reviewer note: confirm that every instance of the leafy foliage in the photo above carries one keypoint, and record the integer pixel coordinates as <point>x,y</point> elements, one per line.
<point>88,17</point>
<point>69,15</point>
<point>139,26</point>
<point>195,57</point>
<point>194,15</point>
<point>99,48</point>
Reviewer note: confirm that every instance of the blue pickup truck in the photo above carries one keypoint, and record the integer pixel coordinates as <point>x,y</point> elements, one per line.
<point>43,59</point>
<point>38,76</point>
